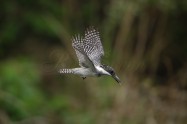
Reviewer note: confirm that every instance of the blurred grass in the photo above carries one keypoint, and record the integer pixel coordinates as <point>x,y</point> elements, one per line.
<point>145,41</point>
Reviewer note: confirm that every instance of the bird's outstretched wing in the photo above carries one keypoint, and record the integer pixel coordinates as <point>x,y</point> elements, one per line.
<point>84,60</point>
<point>93,46</point>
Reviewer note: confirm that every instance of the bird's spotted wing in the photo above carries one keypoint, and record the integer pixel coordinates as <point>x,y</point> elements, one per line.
<point>77,44</point>
<point>93,46</point>
<point>84,60</point>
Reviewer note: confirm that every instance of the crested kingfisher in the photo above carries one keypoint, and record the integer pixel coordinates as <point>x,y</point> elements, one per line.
<point>89,51</point>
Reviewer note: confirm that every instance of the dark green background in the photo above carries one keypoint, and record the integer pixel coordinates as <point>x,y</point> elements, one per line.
<point>144,40</point>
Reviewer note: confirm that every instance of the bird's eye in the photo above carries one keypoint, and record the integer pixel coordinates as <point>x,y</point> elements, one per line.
<point>112,72</point>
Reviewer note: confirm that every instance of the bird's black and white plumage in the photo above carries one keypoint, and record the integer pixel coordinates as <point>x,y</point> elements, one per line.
<point>89,51</point>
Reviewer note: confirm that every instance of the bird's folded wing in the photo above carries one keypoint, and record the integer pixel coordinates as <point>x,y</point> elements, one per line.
<point>84,60</point>
<point>93,46</point>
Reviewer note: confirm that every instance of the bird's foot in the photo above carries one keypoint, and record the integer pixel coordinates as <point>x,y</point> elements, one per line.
<point>83,78</point>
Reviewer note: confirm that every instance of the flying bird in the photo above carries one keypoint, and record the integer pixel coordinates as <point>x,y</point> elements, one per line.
<point>89,51</point>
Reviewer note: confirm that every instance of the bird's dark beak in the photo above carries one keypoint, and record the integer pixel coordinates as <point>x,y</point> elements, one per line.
<point>116,78</point>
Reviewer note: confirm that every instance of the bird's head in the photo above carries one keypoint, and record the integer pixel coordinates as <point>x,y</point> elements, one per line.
<point>111,72</point>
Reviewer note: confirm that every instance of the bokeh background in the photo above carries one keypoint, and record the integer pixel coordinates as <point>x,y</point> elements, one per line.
<point>144,40</point>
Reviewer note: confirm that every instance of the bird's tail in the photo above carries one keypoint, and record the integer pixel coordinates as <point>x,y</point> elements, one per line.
<point>66,71</point>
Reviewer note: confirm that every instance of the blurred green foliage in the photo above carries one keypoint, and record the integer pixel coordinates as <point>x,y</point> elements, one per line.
<point>145,41</point>
<point>20,96</point>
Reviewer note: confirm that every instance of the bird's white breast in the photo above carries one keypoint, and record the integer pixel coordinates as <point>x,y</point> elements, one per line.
<point>101,70</point>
